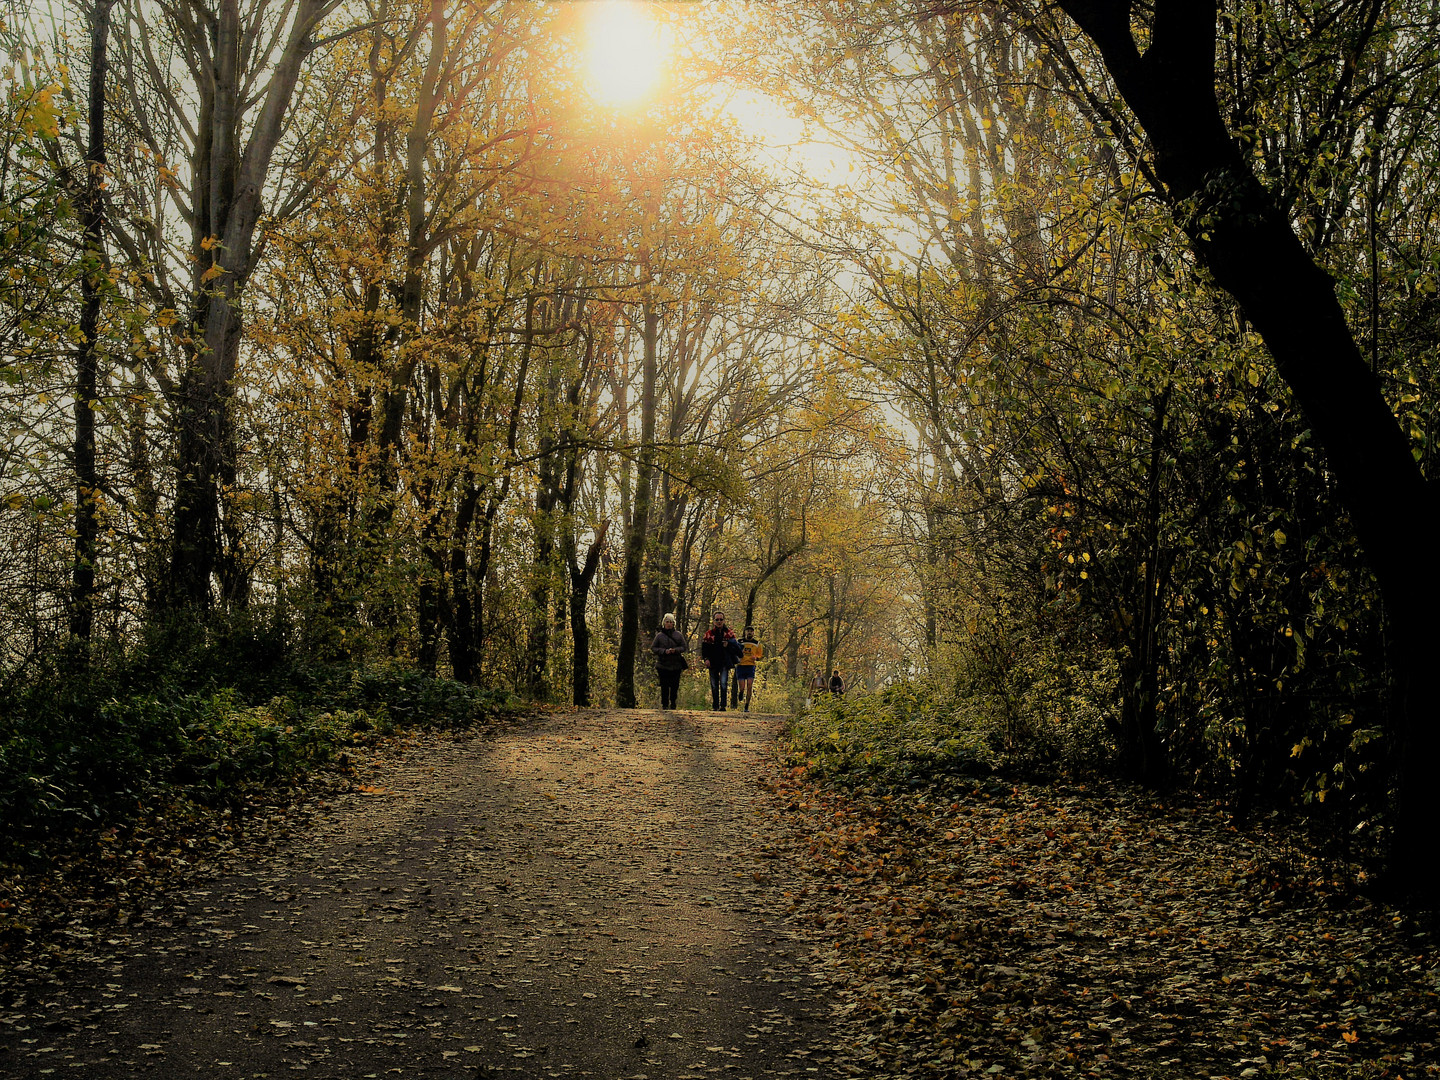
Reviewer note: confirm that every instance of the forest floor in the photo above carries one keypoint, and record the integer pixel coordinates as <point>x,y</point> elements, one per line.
<point>620,894</point>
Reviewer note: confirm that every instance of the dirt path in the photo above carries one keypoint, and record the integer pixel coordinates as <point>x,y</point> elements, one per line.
<point>578,895</point>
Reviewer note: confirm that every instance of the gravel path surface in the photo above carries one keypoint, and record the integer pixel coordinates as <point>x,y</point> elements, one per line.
<point>582,894</point>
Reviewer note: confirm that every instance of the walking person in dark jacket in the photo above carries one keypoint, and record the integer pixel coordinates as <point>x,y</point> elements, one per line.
<point>720,650</point>
<point>669,648</point>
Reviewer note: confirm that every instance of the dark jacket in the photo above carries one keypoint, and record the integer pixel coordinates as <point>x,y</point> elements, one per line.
<point>724,653</point>
<point>670,639</point>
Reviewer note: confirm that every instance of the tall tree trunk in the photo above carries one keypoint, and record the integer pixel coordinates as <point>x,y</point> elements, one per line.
<point>499,493</point>
<point>1250,248</point>
<point>429,597</point>
<point>235,566</point>
<point>228,185</point>
<point>203,416</point>
<point>412,289</point>
<point>547,494</point>
<point>832,627</point>
<point>580,580</point>
<point>662,592</point>
<point>639,521</point>
<point>537,651</point>
<point>145,502</point>
<point>395,394</point>
<point>460,612</point>
<point>1142,752</point>
<point>87,361</point>
<point>792,654</point>
<point>930,584</point>
<point>771,568</point>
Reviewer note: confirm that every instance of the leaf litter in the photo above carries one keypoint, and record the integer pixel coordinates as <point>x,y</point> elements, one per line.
<point>997,929</point>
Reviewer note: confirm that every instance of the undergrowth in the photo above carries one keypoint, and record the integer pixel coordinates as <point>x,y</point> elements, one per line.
<point>904,736</point>
<point>911,735</point>
<point>209,724</point>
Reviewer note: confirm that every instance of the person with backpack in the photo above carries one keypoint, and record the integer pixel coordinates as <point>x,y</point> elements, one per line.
<point>720,651</point>
<point>669,648</point>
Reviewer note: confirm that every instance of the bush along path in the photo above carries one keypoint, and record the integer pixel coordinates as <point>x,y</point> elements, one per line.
<point>571,894</point>
<point>988,928</point>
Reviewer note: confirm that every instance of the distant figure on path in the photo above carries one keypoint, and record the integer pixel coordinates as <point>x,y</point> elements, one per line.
<point>837,684</point>
<point>669,648</point>
<point>721,651</point>
<point>817,687</point>
<point>750,653</point>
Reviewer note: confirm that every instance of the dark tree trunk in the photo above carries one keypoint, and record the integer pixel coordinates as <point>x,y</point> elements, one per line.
<point>792,654</point>
<point>234,566</point>
<point>639,522</point>
<point>428,618</point>
<point>580,580</point>
<point>660,595</point>
<point>429,597</point>
<point>497,496</point>
<point>832,627</point>
<point>537,639</point>
<point>547,495</point>
<point>685,577</point>
<point>412,294</point>
<point>480,584</point>
<point>1142,751</point>
<point>1245,241</point>
<point>932,568</point>
<point>145,502</point>
<point>87,361</point>
<point>459,623</point>
<point>203,415</point>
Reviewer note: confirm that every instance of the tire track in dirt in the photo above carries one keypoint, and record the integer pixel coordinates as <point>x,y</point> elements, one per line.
<point>581,894</point>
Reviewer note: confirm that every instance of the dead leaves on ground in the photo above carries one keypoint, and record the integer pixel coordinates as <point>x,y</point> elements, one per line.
<point>82,887</point>
<point>1029,931</point>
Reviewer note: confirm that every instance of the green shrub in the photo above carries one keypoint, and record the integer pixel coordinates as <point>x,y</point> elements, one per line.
<point>1047,717</point>
<point>905,735</point>
<point>231,748</point>
<point>82,752</point>
<point>409,698</point>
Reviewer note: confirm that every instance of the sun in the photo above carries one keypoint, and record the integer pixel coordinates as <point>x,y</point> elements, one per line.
<point>625,52</point>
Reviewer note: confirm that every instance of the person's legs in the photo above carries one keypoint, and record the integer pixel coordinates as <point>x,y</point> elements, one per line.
<point>742,689</point>
<point>724,687</point>
<point>669,689</point>
<point>714,689</point>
